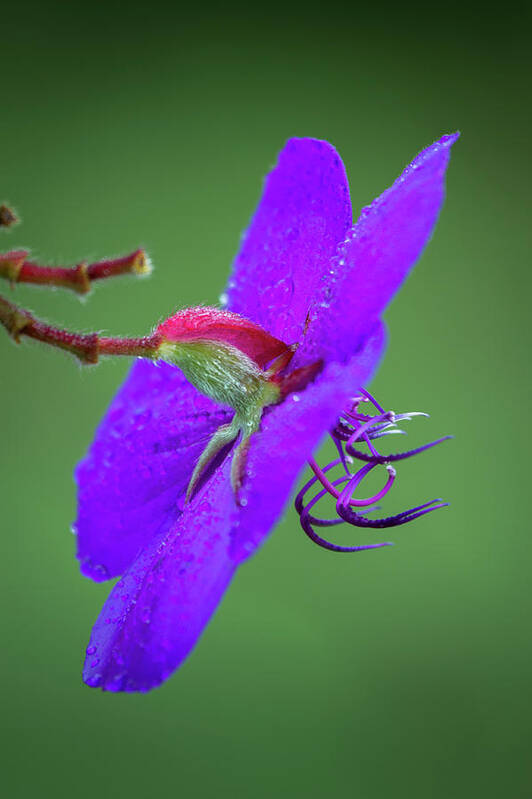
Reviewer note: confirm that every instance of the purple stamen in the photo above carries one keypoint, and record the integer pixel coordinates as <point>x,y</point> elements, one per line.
<point>341,453</point>
<point>351,517</point>
<point>372,399</point>
<point>346,496</point>
<point>323,522</point>
<point>398,456</point>
<point>299,499</point>
<point>322,542</point>
<point>371,448</point>
<point>354,482</point>
<point>368,426</point>
<point>353,427</point>
<point>385,432</point>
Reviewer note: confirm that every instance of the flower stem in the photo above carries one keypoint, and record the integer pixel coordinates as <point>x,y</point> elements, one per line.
<point>15,267</point>
<point>87,347</point>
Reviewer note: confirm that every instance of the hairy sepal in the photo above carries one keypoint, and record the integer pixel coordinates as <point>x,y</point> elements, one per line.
<point>223,327</point>
<point>221,372</point>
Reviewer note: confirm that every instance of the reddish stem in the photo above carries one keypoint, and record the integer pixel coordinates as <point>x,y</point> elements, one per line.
<point>87,347</point>
<point>15,267</point>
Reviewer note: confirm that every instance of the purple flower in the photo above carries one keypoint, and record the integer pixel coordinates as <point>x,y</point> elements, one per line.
<point>305,274</point>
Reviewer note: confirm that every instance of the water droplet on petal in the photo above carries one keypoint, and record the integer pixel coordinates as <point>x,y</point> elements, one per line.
<point>94,679</point>
<point>145,615</point>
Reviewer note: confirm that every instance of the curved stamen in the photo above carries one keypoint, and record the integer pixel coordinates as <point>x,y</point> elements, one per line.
<point>356,519</point>
<point>346,496</point>
<point>298,502</point>
<point>372,399</point>
<point>317,522</point>
<point>371,448</point>
<point>341,453</point>
<point>357,478</point>
<point>363,430</point>
<point>355,427</point>
<point>387,432</point>
<point>322,542</point>
<point>398,456</point>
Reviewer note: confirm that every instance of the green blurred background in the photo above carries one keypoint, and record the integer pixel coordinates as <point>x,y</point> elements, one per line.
<point>404,672</point>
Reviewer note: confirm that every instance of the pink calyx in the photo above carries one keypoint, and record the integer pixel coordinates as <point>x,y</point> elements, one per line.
<point>214,324</point>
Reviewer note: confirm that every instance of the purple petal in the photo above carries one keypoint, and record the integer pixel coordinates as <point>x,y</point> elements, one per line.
<point>156,613</point>
<point>139,466</point>
<point>303,214</point>
<point>376,256</point>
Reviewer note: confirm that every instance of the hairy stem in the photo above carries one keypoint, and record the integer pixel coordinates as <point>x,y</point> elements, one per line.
<point>15,267</point>
<point>87,347</point>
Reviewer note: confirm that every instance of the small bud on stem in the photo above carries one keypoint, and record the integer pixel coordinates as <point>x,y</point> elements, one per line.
<point>7,216</point>
<point>15,267</point>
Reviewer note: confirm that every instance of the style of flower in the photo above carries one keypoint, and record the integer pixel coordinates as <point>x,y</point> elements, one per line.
<point>165,499</point>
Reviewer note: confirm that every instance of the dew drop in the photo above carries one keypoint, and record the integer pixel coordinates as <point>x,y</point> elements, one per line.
<point>101,570</point>
<point>93,680</point>
<point>145,615</point>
